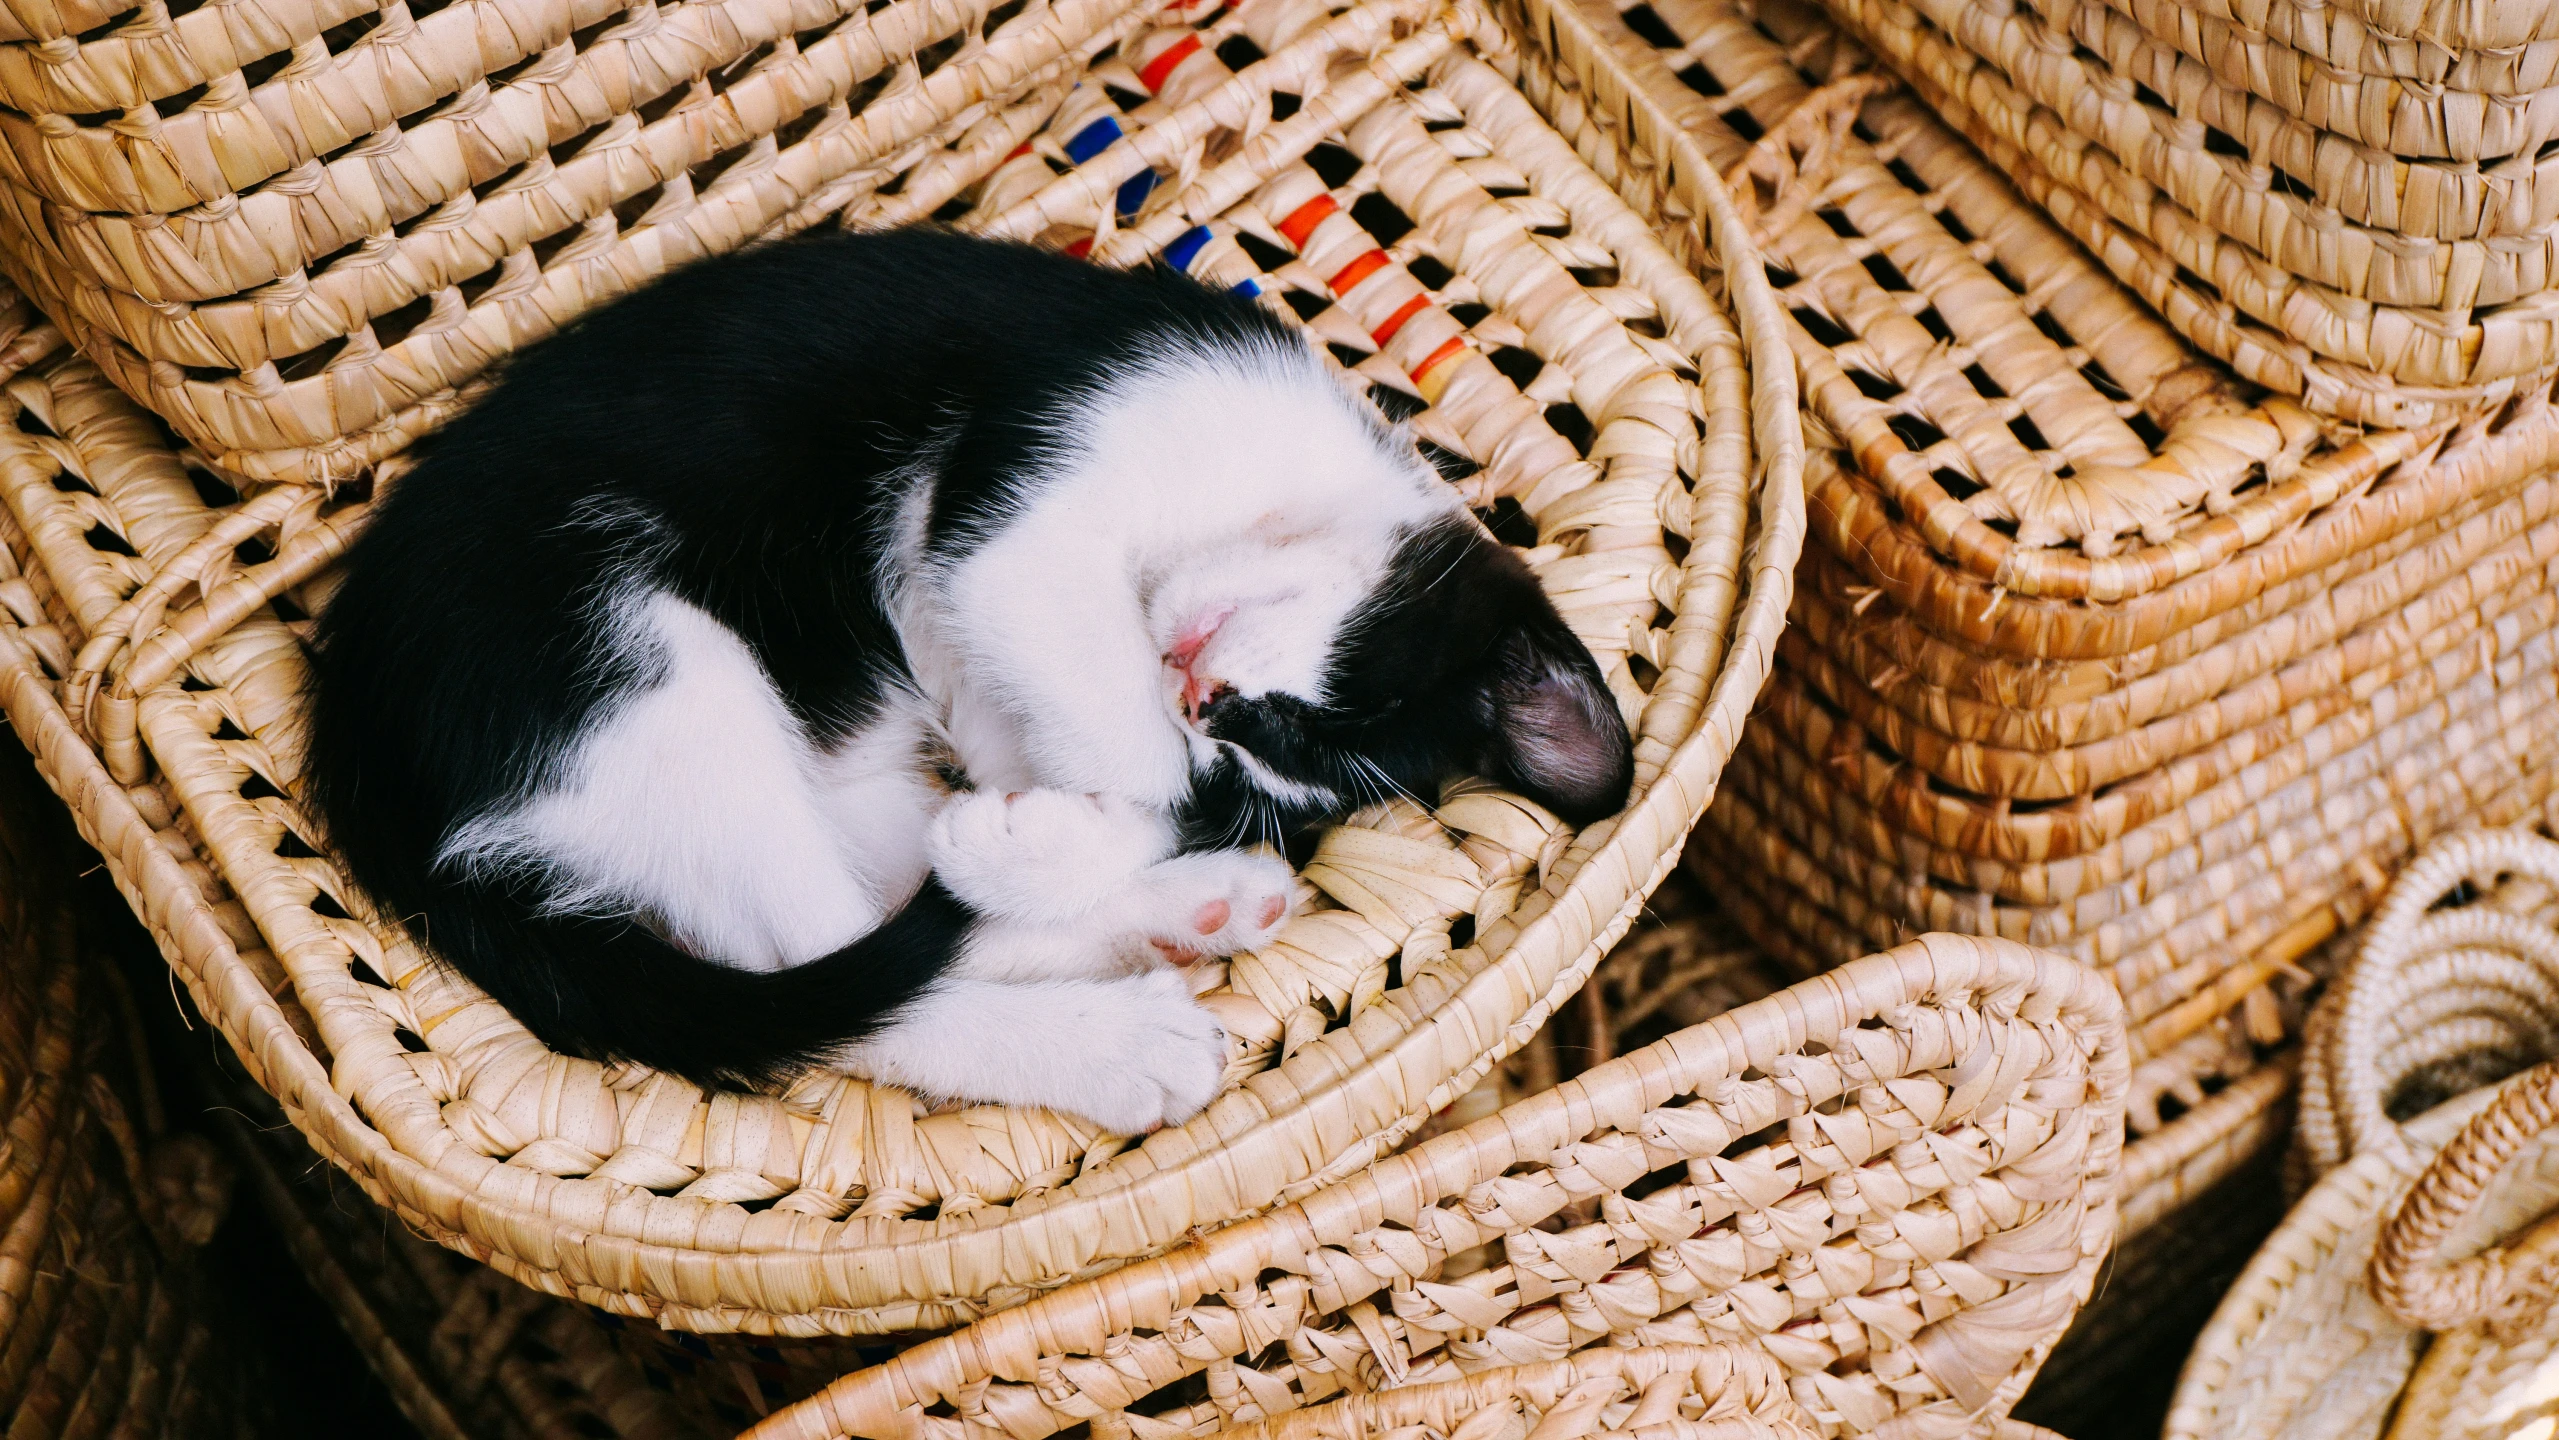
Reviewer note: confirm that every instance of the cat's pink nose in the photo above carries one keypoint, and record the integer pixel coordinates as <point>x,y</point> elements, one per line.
<point>1211,917</point>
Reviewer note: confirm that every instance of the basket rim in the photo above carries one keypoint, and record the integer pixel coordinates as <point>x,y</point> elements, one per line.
<point>526,1222</point>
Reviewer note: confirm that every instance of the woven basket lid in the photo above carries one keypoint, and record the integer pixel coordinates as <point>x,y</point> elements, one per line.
<point>1370,170</point>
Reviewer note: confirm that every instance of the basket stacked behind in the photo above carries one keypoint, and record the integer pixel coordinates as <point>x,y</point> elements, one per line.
<point>2361,212</point>
<point>1369,172</point>
<point>2096,648</point>
<point>294,229</point>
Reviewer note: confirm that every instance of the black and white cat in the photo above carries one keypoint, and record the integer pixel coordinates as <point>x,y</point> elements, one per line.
<point>877,652</point>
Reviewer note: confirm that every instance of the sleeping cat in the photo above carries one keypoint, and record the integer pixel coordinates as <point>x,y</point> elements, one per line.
<point>886,652</point>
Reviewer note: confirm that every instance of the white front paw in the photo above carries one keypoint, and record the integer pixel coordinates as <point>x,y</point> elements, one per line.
<point>1041,854</point>
<point>1222,902</point>
<point>1162,1059</point>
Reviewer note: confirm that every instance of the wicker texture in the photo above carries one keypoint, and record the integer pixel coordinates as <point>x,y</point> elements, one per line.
<point>1895,1180</point>
<point>108,1324</point>
<point>2096,649</point>
<point>1678,1392</point>
<point>157,679</point>
<point>2256,217</point>
<point>295,227</point>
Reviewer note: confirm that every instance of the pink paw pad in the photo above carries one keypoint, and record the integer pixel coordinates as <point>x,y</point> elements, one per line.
<point>1272,909</point>
<point>1211,917</point>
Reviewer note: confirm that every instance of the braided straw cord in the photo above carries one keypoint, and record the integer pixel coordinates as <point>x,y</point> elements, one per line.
<point>2506,1289</point>
<point>2435,985</point>
<point>1641,418</point>
<point>1934,1214</point>
<point>1679,1392</point>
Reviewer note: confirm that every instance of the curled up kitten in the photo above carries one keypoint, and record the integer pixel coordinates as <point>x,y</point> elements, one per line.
<point>878,652</point>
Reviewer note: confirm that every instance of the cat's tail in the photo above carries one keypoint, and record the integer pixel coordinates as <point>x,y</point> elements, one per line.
<point>612,989</point>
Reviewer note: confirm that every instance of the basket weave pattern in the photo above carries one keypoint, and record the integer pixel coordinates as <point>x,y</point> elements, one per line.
<point>2096,649</point>
<point>1895,1180</point>
<point>2362,250</point>
<point>1550,344</point>
<point>294,227</point>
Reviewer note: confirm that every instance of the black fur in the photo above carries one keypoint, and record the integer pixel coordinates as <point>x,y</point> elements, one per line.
<point>749,420</point>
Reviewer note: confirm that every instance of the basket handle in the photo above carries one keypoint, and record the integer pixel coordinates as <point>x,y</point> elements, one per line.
<point>2505,1287</point>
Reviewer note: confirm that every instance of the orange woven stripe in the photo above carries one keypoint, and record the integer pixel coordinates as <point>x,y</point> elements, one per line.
<point>1395,322</point>
<point>1456,346</point>
<point>1356,271</point>
<point>1301,222</point>
<point>1152,77</point>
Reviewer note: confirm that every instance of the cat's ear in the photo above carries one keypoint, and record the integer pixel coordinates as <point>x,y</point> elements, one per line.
<point>1557,736</point>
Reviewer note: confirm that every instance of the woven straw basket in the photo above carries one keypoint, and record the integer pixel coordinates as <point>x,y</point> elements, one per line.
<point>108,1324</point>
<point>2386,248</point>
<point>295,227</point>
<point>2454,983</point>
<point>2096,648</point>
<point>1373,170</point>
<point>1678,1392</point>
<point>1895,1181</point>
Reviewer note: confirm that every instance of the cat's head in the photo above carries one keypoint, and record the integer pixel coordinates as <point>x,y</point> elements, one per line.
<point>1451,662</point>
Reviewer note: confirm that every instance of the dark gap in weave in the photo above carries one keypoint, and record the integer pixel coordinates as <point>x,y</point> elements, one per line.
<point>2151,98</point>
<point>2001,524</point>
<point>1398,405</point>
<point>2104,383</point>
<point>1306,306</point>
<point>548,247</point>
<point>212,489</point>
<point>1886,273</point>
<point>1349,356</point>
<point>256,550</point>
<point>1284,104</point>
<point>1510,523</point>
<point>628,213</point>
<point>1744,124</point>
<point>1874,386</point>
<point>332,157</point>
<point>1909,178</point>
<point>585,36</point>
<point>259,71</point>
<point>2220,142</point>
<point>817,33</point>
<point>708,173</point>
<point>475,286</point>
<point>338,39</point>
<point>1470,313</point>
<point>1651,328</point>
<point>1934,323</point>
<point>291,846</point>
<point>1954,226</point>
<point>1238,51</point>
<point>1863,131</point>
<point>2199,284</point>
<point>288,612</point>
<point>229,731</point>
<point>30,423</point>
<point>1452,467</point>
<point>1652,27</point>
<point>2054,330</point>
<point>1125,98</point>
<point>1826,332</point>
<point>1333,165</point>
<point>1261,252</point>
<point>2287,183</point>
<point>208,374</point>
<point>1779,276</point>
<point>418,9</point>
<point>410,1040</point>
<point>739,68</point>
<point>2463,892</point>
<point>2505,416</point>
<point>1518,365</point>
<point>169,105</point>
<point>1838,221</point>
<point>1592,277</point>
<point>1915,432</point>
<point>1702,80</point>
<point>101,30</point>
<point>2028,433</point>
<point>1567,420</point>
<point>2151,432</point>
<point>1999,272</point>
<point>994,21</point>
<point>1380,218</point>
<point>481,191</point>
<point>1431,271</point>
<point>1983,385</point>
<point>70,483</point>
<point>658,108</point>
<point>391,329</point>
<point>257,786</point>
<point>95,119</point>
<point>1956,484</point>
<point>1644,672</point>
<point>566,150</point>
<point>363,973</point>
<point>311,361</point>
<point>102,538</point>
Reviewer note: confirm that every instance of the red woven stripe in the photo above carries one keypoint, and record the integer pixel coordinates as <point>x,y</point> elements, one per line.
<point>1152,77</point>
<point>1456,345</point>
<point>1356,271</point>
<point>1301,222</point>
<point>1395,322</point>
